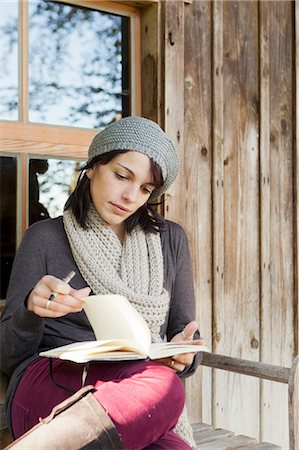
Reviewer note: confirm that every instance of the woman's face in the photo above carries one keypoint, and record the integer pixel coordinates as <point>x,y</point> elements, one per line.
<point>121,187</point>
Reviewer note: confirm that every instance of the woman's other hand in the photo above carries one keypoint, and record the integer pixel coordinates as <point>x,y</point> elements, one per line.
<point>67,300</point>
<point>179,362</point>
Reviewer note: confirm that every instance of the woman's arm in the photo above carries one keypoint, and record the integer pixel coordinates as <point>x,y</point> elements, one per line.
<point>182,305</point>
<point>21,330</point>
<point>27,314</point>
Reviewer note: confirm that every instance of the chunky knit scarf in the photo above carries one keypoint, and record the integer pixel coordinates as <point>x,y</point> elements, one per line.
<point>134,269</point>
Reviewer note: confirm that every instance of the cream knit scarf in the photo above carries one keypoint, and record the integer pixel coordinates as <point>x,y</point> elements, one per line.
<point>134,269</point>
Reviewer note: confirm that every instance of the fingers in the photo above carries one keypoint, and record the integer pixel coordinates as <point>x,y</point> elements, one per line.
<point>198,342</point>
<point>80,293</point>
<point>187,333</point>
<point>66,300</point>
<point>71,302</point>
<point>184,359</point>
<point>177,366</point>
<point>189,330</point>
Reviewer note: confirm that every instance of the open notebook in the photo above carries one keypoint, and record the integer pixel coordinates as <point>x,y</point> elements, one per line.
<point>121,334</point>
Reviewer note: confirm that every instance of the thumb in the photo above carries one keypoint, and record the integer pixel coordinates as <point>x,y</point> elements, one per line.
<point>189,330</point>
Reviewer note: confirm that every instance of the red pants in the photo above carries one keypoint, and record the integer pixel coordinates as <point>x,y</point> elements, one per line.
<point>143,399</point>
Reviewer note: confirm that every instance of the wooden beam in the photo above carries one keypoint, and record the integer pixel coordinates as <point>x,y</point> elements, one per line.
<point>246,367</point>
<point>140,3</point>
<point>113,6</point>
<point>46,133</point>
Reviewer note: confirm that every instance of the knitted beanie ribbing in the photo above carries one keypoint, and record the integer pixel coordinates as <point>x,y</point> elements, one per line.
<point>144,136</point>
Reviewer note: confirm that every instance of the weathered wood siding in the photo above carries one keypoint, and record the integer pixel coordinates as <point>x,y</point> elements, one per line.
<point>236,254</point>
<point>198,172</point>
<point>232,111</point>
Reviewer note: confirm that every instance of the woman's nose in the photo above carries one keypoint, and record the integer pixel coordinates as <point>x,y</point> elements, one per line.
<point>131,194</point>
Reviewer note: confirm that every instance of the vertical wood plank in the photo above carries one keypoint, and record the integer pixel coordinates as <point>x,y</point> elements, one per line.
<point>297,180</point>
<point>296,413</point>
<point>198,172</point>
<point>22,193</point>
<point>265,212</point>
<point>293,401</point>
<point>218,172</point>
<point>236,301</point>
<point>136,66</point>
<point>179,195</point>
<point>151,62</point>
<point>173,40</point>
<point>277,200</point>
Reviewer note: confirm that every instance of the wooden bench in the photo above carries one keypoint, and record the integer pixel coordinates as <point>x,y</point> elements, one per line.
<point>208,438</point>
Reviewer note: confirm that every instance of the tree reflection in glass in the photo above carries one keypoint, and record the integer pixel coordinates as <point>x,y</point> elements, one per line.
<point>75,65</point>
<point>9,60</point>
<point>78,64</point>
<point>50,184</point>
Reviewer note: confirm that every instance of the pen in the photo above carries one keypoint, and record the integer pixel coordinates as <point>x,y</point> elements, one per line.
<point>66,279</point>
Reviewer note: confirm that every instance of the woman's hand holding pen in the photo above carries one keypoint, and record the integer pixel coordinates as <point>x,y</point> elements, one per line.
<point>52,297</point>
<point>179,362</point>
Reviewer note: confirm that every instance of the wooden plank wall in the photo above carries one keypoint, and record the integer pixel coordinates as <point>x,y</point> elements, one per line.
<point>231,110</point>
<point>197,176</point>
<point>277,232</point>
<point>236,256</point>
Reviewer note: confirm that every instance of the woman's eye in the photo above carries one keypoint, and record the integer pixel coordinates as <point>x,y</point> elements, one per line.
<point>147,190</point>
<point>121,177</point>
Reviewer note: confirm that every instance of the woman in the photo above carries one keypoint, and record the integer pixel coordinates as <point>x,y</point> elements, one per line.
<point>115,242</point>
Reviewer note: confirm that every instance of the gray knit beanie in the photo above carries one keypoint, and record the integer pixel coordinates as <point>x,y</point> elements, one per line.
<point>144,136</point>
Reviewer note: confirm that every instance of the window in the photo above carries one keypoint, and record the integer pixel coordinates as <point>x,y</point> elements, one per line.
<point>51,181</point>
<point>9,61</point>
<point>8,217</point>
<point>69,68</point>
<point>78,65</point>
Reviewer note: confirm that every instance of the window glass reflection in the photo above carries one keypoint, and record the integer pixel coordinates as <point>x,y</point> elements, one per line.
<point>9,60</point>
<point>78,65</point>
<point>8,218</point>
<point>50,183</point>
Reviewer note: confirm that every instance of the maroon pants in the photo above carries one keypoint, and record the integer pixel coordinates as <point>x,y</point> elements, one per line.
<point>143,399</point>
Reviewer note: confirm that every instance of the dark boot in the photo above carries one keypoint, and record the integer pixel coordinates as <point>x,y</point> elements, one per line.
<point>80,422</point>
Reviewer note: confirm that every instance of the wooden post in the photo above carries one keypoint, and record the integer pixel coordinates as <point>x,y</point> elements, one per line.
<point>151,62</point>
<point>294,405</point>
<point>173,34</point>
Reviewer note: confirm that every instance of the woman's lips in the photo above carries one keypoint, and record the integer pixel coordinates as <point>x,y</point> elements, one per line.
<point>119,209</point>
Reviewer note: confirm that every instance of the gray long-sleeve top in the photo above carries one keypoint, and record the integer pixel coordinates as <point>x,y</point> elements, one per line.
<point>45,250</point>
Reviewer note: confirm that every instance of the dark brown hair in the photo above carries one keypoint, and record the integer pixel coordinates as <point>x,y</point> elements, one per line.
<point>80,200</point>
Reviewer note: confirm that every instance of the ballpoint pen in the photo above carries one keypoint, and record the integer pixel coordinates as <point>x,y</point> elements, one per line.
<point>66,279</point>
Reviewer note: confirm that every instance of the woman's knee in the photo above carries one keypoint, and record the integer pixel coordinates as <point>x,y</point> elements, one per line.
<point>152,384</point>
<point>170,384</point>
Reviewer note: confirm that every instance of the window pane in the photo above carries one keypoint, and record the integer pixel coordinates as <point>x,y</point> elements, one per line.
<point>8,218</point>
<point>9,60</point>
<point>50,183</point>
<point>78,65</point>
